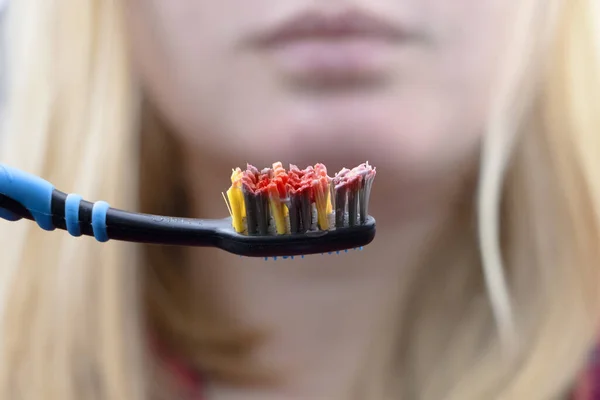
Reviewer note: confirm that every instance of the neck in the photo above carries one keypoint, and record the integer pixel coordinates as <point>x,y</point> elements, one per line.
<point>322,314</point>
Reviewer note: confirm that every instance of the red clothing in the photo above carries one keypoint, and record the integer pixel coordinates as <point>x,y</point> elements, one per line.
<point>188,381</point>
<point>588,385</point>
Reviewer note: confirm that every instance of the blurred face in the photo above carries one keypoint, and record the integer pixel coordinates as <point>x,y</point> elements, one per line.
<point>403,84</point>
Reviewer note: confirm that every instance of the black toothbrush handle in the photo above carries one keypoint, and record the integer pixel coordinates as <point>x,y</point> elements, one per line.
<point>143,228</point>
<point>128,226</point>
<point>23,195</point>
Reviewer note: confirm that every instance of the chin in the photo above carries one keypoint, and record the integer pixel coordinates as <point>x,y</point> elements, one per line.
<point>397,142</point>
<point>381,152</point>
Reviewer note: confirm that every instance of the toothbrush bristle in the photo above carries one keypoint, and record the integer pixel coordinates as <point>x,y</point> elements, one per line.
<point>273,201</point>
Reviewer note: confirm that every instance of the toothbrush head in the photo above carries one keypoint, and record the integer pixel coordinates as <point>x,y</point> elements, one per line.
<point>299,244</point>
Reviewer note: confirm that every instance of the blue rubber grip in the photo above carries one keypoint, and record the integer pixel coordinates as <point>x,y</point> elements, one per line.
<point>31,191</point>
<point>72,214</point>
<point>99,221</point>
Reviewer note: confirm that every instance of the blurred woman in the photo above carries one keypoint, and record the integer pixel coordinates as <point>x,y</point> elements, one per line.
<point>480,115</point>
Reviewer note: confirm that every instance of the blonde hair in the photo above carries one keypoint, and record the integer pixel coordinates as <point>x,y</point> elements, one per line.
<point>504,312</point>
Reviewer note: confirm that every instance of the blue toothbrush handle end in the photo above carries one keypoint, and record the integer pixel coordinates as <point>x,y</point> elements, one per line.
<point>32,192</point>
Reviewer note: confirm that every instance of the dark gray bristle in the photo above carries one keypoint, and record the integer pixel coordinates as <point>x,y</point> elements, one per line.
<point>352,207</point>
<point>294,214</point>
<point>364,195</point>
<point>251,217</point>
<point>305,211</point>
<point>262,213</point>
<point>341,201</point>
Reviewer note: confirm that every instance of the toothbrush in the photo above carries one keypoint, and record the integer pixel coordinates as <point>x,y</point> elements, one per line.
<point>273,213</point>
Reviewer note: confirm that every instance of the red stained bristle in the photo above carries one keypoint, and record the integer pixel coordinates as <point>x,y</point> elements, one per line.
<point>353,182</point>
<point>300,180</point>
<point>255,181</point>
<point>276,201</point>
<point>252,170</point>
<point>280,179</point>
<point>353,178</point>
<point>296,180</point>
<point>320,170</point>
<point>248,185</point>
<point>347,192</point>
<point>272,190</point>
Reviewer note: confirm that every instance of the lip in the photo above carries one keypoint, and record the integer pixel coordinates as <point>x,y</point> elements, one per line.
<point>347,46</point>
<point>317,25</point>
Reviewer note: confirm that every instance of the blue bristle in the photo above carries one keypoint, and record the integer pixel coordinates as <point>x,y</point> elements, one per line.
<point>283,257</point>
<point>302,255</point>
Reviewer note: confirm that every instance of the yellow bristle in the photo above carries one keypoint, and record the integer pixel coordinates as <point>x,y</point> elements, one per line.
<point>227,204</point>
<point>236,201</point>
<point>277,210</point>
<point>321,202</point>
